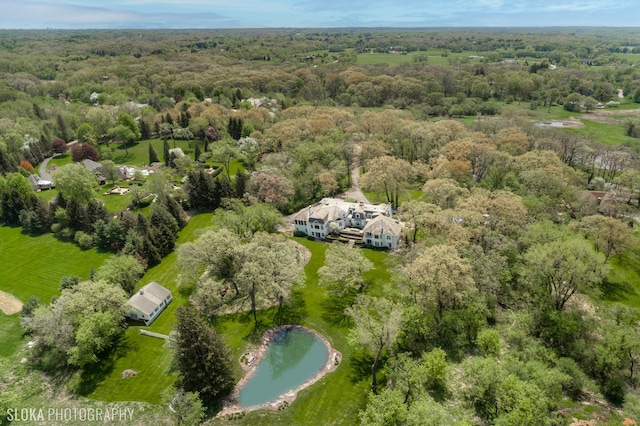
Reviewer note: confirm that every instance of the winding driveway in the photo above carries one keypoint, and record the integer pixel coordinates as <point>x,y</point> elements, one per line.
<point>42,170</point>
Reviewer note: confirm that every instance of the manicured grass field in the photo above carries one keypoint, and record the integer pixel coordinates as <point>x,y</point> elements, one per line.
<point>33,266</point>
<point>145,354</point>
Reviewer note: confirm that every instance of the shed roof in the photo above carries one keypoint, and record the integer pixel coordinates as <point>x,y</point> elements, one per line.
<point>149,297</point>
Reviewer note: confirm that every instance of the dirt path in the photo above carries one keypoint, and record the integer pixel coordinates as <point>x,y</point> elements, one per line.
<point>354,192</point>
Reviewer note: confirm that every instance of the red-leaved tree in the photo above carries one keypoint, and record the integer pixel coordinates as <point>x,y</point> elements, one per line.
<point>58,146</point>
<point>83,151</point>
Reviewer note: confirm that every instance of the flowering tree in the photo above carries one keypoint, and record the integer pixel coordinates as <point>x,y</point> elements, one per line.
<point>268,185</point>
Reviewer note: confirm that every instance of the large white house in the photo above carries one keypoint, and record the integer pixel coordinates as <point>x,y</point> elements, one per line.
<point>148,303</point>
<point>350,220</point>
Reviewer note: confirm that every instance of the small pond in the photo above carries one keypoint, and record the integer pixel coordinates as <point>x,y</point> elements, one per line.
<point>292,358</point>
<point>549,124</point>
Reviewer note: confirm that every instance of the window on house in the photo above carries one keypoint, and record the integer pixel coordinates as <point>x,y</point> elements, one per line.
<point>388,237</point>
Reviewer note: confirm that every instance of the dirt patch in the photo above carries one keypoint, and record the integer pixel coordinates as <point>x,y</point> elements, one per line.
<point>9,304</point>
<point>610,116</point>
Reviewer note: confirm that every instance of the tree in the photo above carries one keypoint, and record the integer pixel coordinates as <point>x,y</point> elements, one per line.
<point>389,175</point>
<point>443,192</point>
<point>557,270</point>
<point>75,182</point>
<point>224,152</point>
<point>126,131</point>
<point>185,407</point>
<point>202,357</point>
<point>110,170</point>
<point>124,271</point>
<point>269,185</point>
<point>440,279</point>
<point>377,323</point>
<point>610,236</point>
<point>77,327</point>
<point>343,269</point>
<point>83,151</point>
<point>58,146</point>
<point>385,408</point>
<point>86,133</point>
<point>153,157</point>
<point>268,274</point>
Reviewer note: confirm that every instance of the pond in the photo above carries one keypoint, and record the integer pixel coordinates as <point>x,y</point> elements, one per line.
<point>549,124</point>
<point>292,357</point>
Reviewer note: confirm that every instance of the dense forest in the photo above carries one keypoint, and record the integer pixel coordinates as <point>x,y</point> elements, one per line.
<point>510,157</point>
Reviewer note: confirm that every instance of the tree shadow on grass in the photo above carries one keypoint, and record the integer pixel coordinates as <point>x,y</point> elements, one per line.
<point>334,307</point>
<point>93,375</point>
<point>292,312</point>
<point>616,291</point>
<point>255,334</point>
<point>360,362</point>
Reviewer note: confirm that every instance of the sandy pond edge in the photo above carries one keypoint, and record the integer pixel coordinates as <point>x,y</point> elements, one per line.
<point>231,405</point>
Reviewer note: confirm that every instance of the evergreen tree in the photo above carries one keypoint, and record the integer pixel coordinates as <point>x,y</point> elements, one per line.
<point>144,130</point>
<point>164,229</point>
<point>241,183</point>
<point>203,359</point>
<point>165,149</point>
<point>77,215</point>
<point>153,157</point>
<point>197,152</point>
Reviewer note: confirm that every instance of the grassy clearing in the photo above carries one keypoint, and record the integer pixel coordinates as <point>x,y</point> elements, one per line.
<point>623,282</point>
<point>608,134</point>
<point>145,354</point>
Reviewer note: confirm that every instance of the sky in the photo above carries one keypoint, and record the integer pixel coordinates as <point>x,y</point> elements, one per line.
<point>121,14</point>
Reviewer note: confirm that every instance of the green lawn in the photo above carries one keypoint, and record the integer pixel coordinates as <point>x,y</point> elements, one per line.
<point>33,266</point>
<point>10,334</point>
<point>608,134</point>
<point>144,354</point>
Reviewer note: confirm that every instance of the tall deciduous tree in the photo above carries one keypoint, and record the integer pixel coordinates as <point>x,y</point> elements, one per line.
<point>440,279</point>
<point>377,323</point>
<point>389,175</point>
<point>610,236</point>
<point>126,131</point>
<point>185,407</point>
<point>202,357</point>
<point>559,269</point>
<point>124,271</point>
<point>79,325</point>
<point>343,269</point>
<point>75,182</point>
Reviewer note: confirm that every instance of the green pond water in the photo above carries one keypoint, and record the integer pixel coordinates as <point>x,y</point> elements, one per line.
<point>292,358</point>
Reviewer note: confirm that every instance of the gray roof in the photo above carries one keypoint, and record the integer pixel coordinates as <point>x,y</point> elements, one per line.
<point>383,225</point>
<point>149,297</point>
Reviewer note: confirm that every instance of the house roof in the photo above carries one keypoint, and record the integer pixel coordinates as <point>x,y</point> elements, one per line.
<point>326,213</point>
<point>382,224</point>
<point>149,297</point>
<point>91,165</point>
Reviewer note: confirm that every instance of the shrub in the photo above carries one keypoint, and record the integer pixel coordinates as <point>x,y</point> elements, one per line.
<point>84,240</point>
